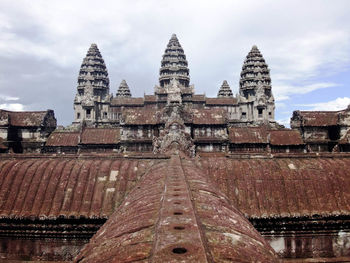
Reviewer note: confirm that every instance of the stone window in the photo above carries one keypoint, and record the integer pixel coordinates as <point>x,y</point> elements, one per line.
<point>244,115</point>
<point>78,115</point>
<point>105,115</point>
<point>260,113</point>
<point>88,113</point>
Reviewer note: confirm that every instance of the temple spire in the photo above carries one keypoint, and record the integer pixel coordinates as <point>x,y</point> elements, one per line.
<point>93,69</point>
<point>174,64</point>
<point>225,90</point>
<point>123,90</point>
<point>254,72</point>
<point>92,90</point>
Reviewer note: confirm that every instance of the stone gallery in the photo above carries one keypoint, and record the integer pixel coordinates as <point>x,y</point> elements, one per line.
<point>175,176</point>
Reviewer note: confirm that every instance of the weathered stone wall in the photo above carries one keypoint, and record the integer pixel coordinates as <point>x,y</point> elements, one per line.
<point>48,249</point>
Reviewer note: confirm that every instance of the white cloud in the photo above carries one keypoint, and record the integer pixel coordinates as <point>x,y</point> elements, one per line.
<point>284,92</point>
<point>333,105</point>
<point>7,98</point>
<point>284,121</point>
<point>12,106</point>
<point>301,45</point>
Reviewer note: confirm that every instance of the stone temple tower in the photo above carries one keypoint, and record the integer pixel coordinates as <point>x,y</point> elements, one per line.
<point>91,103</point>
<point>256,101</point>
<point>174,70</point>
<point>174,64</point>
<point>225,90</point>
<point>123,90</point>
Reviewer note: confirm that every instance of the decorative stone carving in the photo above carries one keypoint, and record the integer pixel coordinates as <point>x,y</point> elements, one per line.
<point>174,92</point>
<point>174,136</point>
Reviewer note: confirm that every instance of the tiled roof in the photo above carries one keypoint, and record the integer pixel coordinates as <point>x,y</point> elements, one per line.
<point>221,101</point>
<point>285,137</point>
<point>277,187</point>
<point>100,136</point>
<point>63,139</point>
<point>150,98</point>
<point>141,116</point>
<point>23,118</point>
<point>70,188</point>
<point>319,118</point>
<point>284,187</point>
<point>127,101</point>
<point>209,116</point>
<point>197,97</point>
<point>160,222</point>
<point>243,135</point>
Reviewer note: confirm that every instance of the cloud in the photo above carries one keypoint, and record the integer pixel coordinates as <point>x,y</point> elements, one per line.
<point>7,98</point>
<point>12,106</point>
<point>284,92</point>
<point>333,105</point>
<point>42,45</point>
<point>284,121</point>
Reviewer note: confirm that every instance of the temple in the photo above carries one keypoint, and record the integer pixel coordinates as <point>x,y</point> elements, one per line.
<point>175,176</point>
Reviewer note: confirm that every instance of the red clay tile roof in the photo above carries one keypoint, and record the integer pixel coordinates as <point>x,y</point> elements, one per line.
<point>209,116</point>
<point>284,187</point>
<point>58,138</point>
<point>245,135</point>
<point>139,116</point>
<point>52,187</point>
<point>276,187</point>
<point>25,118</point>
<point>221,101</point>
<point>198,98</point>
<point>127,101</point>
<point>100,136</point>
<point>285,137</point>
<point>150,98</point>
<point>159,221</point>
<point>319,118</point>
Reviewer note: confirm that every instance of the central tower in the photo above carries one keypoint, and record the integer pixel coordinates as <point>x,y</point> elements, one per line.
<point>174,65</point>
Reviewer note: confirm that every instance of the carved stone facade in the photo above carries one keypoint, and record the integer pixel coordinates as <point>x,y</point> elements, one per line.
<point>94,107</point>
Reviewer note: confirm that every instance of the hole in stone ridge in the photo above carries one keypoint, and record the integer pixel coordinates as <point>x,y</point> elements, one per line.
<point>177,203</point>
<point>179,250</point>
<point>176,190</point>
<point>178,213</point>
<point>176,195</point>
<point>179,227</point>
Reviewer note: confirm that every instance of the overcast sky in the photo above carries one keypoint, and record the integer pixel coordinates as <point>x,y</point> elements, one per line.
<point>305,43</point>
